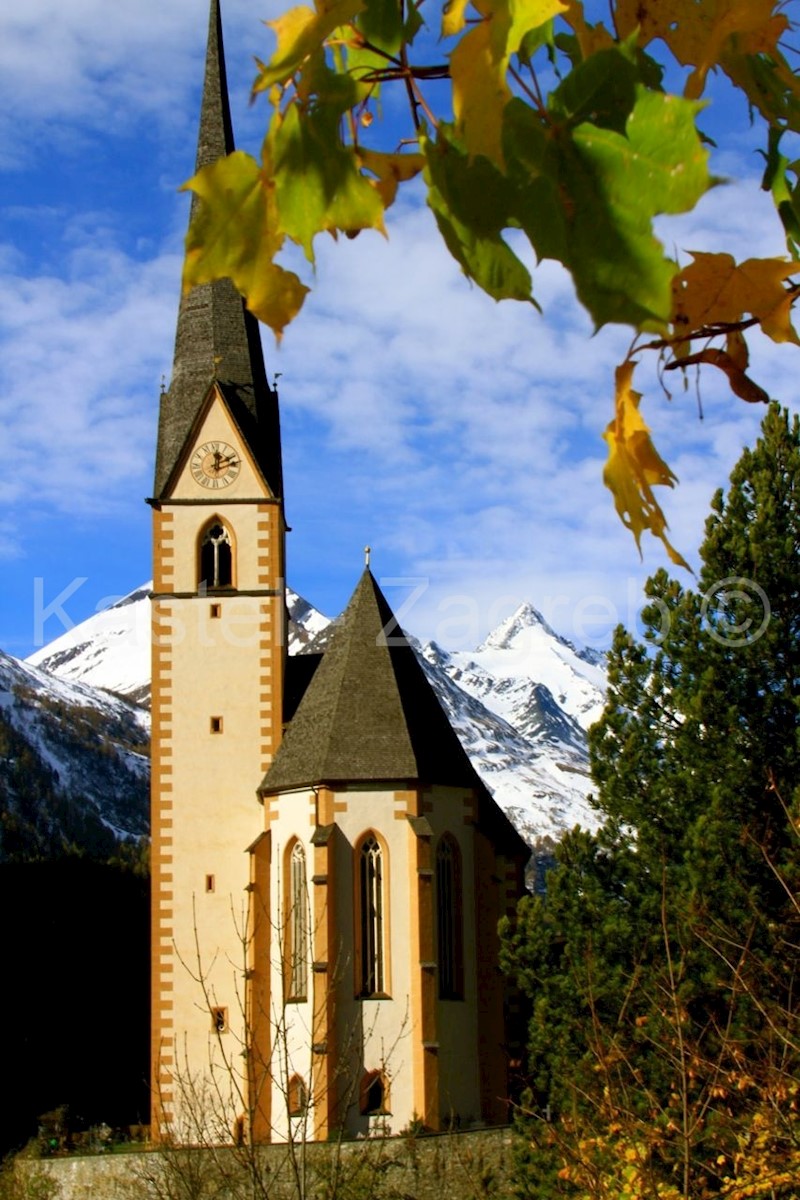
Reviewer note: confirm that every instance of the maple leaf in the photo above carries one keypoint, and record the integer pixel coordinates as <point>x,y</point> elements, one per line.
<point>318,184</point>
<point>714,290</point>
<point>699,35</point>
<point>234,235</point>
<point>391,170</point>
<point>634,467</point>
<point>479,66</point>
<point>299,32</point>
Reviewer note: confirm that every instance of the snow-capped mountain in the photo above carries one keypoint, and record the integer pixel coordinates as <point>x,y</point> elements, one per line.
<point>521,702</point>
<point>526,668</point>
<point>74,764</point>
<point>111,649</point>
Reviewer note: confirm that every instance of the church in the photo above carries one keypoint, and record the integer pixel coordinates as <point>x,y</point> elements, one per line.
<point>328,870</point>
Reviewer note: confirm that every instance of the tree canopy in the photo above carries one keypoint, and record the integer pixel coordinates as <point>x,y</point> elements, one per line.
<point>534,119</point>
<point>663,963</point>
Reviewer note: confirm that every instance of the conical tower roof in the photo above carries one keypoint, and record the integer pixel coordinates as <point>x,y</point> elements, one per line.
<point>369,712</point>
<point>217,339</point>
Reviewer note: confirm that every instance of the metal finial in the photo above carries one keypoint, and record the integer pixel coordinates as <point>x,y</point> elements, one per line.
<point>367,552</point>
<point>163,384</point>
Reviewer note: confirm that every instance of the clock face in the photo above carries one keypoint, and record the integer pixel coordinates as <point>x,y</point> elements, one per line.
<point>215,464</point>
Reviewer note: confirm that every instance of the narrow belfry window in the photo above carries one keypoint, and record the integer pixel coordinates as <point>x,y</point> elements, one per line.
<point>372,917</point>
<point>219,1020</point>
<point>373,1094</point>
<point>298,925</point>
<point>298,1096</point>
<point>449,921</point>
<point>216,557</point>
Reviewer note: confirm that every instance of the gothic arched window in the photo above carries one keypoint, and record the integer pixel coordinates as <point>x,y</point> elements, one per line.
<point>373,1094</point>
<point>216,556</point>
<point>298,1096</point>
<point>297,926</point>
<point>449,920</point>
<point>372,931</point>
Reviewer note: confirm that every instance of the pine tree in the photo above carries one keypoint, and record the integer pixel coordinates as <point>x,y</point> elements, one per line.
<point>663,962</point>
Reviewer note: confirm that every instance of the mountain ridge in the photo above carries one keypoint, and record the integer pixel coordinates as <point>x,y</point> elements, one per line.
<point>521,702</point>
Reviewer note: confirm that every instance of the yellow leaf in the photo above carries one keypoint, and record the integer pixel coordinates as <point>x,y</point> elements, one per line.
<point>299,32</point>
<point>699,34</point>
<point>634,467</point>
<point>480,92</point>
<point>391,170</point>
<point>479,65</point>
<point>234,235</point>
<point>527,15</point>
<point>713,290</point>
<point>454,17</point>
<point>590,37</point>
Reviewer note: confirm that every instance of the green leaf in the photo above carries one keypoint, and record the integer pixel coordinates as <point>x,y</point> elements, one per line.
<point>318,184</point>
<point>619,184</point>
<point>470,220</point>
<point>234,235</point>
<point>587,195</point>
<point>381,22</point>
<point>539,206</point>
<point>300,32</point>
<point>534,39</point>
<point>784,194</point>
<point>602,89</point>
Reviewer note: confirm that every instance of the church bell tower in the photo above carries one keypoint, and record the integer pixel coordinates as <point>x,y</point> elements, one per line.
<point>219,638</point>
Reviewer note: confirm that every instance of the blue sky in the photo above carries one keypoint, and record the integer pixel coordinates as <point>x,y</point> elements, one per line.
<point>459,438</point>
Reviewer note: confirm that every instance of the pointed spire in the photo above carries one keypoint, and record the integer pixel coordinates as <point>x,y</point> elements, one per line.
<point>215,137</point>
<point>217,339</point>
<point>369,713</point>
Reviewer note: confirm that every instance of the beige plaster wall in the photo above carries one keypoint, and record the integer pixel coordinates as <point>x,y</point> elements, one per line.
<point>381,1033</point>
<point>219,656</point>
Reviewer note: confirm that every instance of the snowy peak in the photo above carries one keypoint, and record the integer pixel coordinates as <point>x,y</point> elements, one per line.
<point>111,649</point>
<point>521,702</point>
<point>516,630</point>
<point>523,653</point>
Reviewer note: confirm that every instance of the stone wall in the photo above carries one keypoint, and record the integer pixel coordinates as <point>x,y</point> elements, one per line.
<point>476,1165</point>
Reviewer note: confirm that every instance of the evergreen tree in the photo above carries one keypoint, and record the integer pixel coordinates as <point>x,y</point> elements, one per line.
<point>662,964</point>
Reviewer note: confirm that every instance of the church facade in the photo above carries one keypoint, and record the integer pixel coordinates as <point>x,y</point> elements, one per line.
<point>328,869</point>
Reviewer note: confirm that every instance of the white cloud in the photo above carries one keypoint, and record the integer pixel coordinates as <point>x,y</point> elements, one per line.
<point>461,437</point>
<point>82,353</point>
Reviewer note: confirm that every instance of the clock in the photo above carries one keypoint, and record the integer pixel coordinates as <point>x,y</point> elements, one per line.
<point>215,464</point>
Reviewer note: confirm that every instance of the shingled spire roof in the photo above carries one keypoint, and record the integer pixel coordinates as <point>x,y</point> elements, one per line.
<point>216,337</point>
<point>369,712</point>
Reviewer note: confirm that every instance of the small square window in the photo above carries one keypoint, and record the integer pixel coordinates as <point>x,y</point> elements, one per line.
<point>219,1020</point>
<point>216,611</point>
<point>216,724</point>
<point>210,883</point>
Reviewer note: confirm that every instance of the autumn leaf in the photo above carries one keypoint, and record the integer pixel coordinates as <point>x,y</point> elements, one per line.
<point>714,290</point>
<point>634,467</point>
<point>234,235</point>
<point>299,32</point>
<point>470,201</point>
<point>700,34</point>
<point>391,170</point>
<point>318,185</point>
<point>479,66</point>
